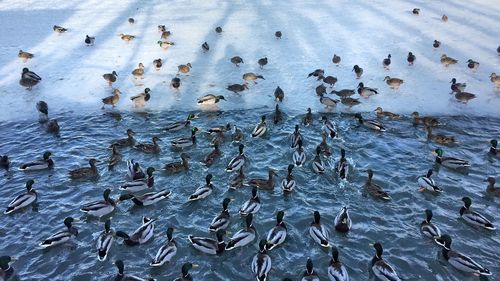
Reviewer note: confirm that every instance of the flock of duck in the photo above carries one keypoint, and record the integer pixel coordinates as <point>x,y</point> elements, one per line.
<point>139,188</point>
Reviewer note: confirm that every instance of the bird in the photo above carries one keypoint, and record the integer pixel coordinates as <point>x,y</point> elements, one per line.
<point>207,245</point>
<point>112,100</point>
<point>342,167</point>
<point>318,231</point>
<point>184,142</point>
<point>121,276</point>
<point>205,47</point>
<point>212,156</point>
<point>59,29</point>
<point>299,156</point>
<point>126,37</point>
<point>295,137</point>
<point>457,87</point>
<point>141,99</point>
<point>139,71</point>
<point>436,44</point>
<point>134,170</point>
<point>277,114</point>
<point>162,28</point>
<point>411,58</point>
<point>105,241</point>
<point>243,236</point>
<point>4,162</point>
<point>184,68</point>
<point>495,79</point>
<point>260,129</point>
<point>393,82</point>
<point>252,205</point>
<point>147,199</point>
<point>261,262</point>
<point>222,220</point>
<point>236,88</point>
<point>382,113</point>
<point>371,124</point>
<point>441,139</point>
<point>128,141</point>
<point>382,269</point>
<point>449,162</point>
<point>474,218</point>
<point>141,235</point>
<point>238,180</point>
<point>328,126</point>
<point>262,62</point>
<point>428,228</point>
<point>158,63</point>
<point>25,56</point>
<point>336,59</point>
<point>203,191</point>
<point>425,120</point>
<point>179,125</point>
<point>278,34</point>
<point>320,89</point>
<point>165,34</point>
<point>85,172</point>
<point>110,77</point>
<point>444,18</point>
<point>100,208</point>
<point>279,95</point>
<point>343,222</point>
<point>277,235</point>
<point>416,11</point>
<point>327,101</point>
<point>458,260</point>
<point>237,162</point>
<point>464,97</point>
<point>366,91</point>
<point>152,147</point>
<point>319,73</point>
<point>426,183</point>
<point>140,184</point>
<point>175,82</point>
<point>50,125</point>
<point>89,40</point>
<point>336,270</point>
<point>178,166</point>
<point>309,274</point>
<point>358,71</point>
<point>330,80</point>
<point>266,184</point>
<point>45,163</point>
<point>165,44</point>
<point>473,65</point>
<point>185,275</point>
<point>29,79</point>
<point>62,236</point>
<point>491,188</point>
<point>236,60</point>
<point>308,118</point>
<point>167,251</point>
<point>23,200</point>
<point>7,272</point>
<point>493,149</point>
<point>250,76</point>
<point>349,102</point>
<point>374,189</point>
<point>131,20</point>
<point>218,29</point>
<point>387,62</point>
<point>317,164</point>
<point>446,61</point>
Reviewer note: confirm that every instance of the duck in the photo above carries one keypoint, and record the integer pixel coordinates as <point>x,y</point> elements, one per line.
<point>464,97</point>
<point>343,222</point>
<point>278,34</point>
<point>179,166</point>
<point>29,78</point>
<point>327,101</point>
<point>236,88</point>
<point>105,241</point>
<point>165,34</point>
<point>317,164</point>
<point>320,89</point>
<point>416,11</point>
<point>221,221</point>
<point>387,62</point>
<point>349,102</point>
<point>121,276</point>
<point>203,191</point>
<point>308,118</point>
<point>473,65</point>
<point>128,141</point>
<point>474,218</point>
<point>179,125</point>
<point>25,56</point>
<point>458,260</point>
<point>330,80</point>
<point>262,62</point>
<point>85,172</point>
<point>89,40</point>
<point>238,161</point>
<point>236,60</point>
<point>4,162</point>
<point>115,157</point>
<point>167,251</point>
<point>23,200</point>
<point>152,147</point>
<point>238,180</point>
<point>299,156</point>
<point>50,125</point>
<point>141,99</point>
<point>328,126</point>
<point>266,184</point>
<point>7,272</point>
<point>59,29</point>
<point>336,270</point>
<point>374,189</point>
<point>131,20</point>
<point>212,156</point>
<point>141,235</point>
<point>393,82</point>
<point>244,236</point>
<point>62,236</point>
<point>279,95</point>
<point>205,47</point>
<point>382,113</point>
<point>436,44</point>
<point>493,149</point>
<point>260,129</point>
<point>184,68</point>
<point>446,61</point>
<point>45,163</point>
<point>100,208</point>
<point>175,82</point>
<point>358,71</point>
<point>165,44</point>
<point>318,231</point>
<point>185,141</point>
<point>252,205</point>
<point>277,235</point>
<point>113,99</point>
<point>295,137</point>
<point>366,91</point>
<point>237,135</point>
<point>209,245</point>
<point>141,183</point>
<point>139,71</point>
<point>147,199</point>
<point>110,77</point>
<point>324,147</point>
<point>457,87</point>
<point>444,18</point>
<point>250,76</point>
<point>261,262</point>
<point>158,63</point>
<point>410,58</point>
<point>288,184</point>
<point>185,275</point>
<point>495,79</point>
<point>277,115</point>
<point>344,93</point>
<point>309,274</point>
<point>134,170</point>
<point>126,37</point>
<point>491,188</point>
<point>319,73</point>
<point>449,162</point>
<point>371,124</point>
<point>382,269</point>
<point>210,99</point>
<point>426,183</point>
<point>425,120</point>
<point>441,139</point>
<point>428,228</point>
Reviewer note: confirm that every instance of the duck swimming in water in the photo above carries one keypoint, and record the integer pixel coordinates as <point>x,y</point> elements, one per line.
<point>175,167</point>
<point>153,147</point>
<point>371,124</point>
<point>209,245</point>
<point>244,236</point>
<point>288,184</point>
<point>260,129</point>
<point>491,188</point>
<point>221,221</point>
<point>179,125</point>
<point>382,113</point>
<point>441,139</point>
<point>141,183</point>
<point>62,236</point>
<point>449,162</point>
<point>343,222</point>
<point>238,180</point>
<point>4,162</point>
<point>425,120</point>
<point>45,163</point>
<point>203,191</point>
<point>236,162</point>
<point>317,164</point>
<point>185,275</point>
<point>426,183</point>
<point>299,156</point>
<point>493,149</point>
<point>266,184</point>
<point>474,218</point>
<point>252,205</point>
<point>261,262</point>
<point>336,270</point>
<point>129,141</point>
<point>382,269</point>
<point>374,189</point>
<point>342,167</point>
<point>7,272</point>
<point>100,208</point>
<point>141,235</point>
<point>85,172</point>
<point>428,228</point>
<point>185,142</point>
<point>277,235</point>
<point>318,231</point>
<point>23,200</point>
<point>121,276</point>
<point>167,251</point>
<point>309,274</point>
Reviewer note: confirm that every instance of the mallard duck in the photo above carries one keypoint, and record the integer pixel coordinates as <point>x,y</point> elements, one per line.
<point>428,228</point>
<point>457,87</point>
<point>366,91</point>
<point>141,99</point>
<point>493,149</point>
<point>250,76</point>
<point>147,199</point>
<point>279,95</point>
<point>238,180</point>
<point>426,183</point>
<point>121,276</point>
<point>474,218</point>
<point>23,200</point>
<point>416,11</point>
<point>495,79</point>
<point>203,191</point>
<point>393,82</point>
<point>381,113</point>
<point>444,18</point>
<point>410,58</point>
<point>436,44</point>
<point>330,80</point>
<point>449,162</point>
<point>236,162</point>
<point>266,184</point>
<point>205,47</point>
<point>244,236</point>
<point>129,141</point>
<point>344,93</point>
<point>371,124</point>
<point>278,34</point>
<point>218,29</point>
<point>441,139</point>
<point>62,236</point>
<point>320,90</point>
<point>212,156</point>
<point>131,20</point>
<point>262,62</point>
<point>139,71</point>
<point>237,60</point>
<point>110,77</point>
<point>127,37</point>
<point>178,125</point>
<point>328,126</point>
<point>309,274</point>
<point>4,162</point>
<point>45,163</point>
<point>277,115</point>
<point>141,235</point>
<point>115,157</point>
<point>426,120</point>
<point>491,188</point>
<point>185,141</point>
<point>295,137</point>
<point>277,235</point>
<point>299,156</point>
<point>104,241</point>
<point>318,231</point>
<point>100,208</point>
<point>327,101</point>
<point>210,99</point>
<point>252,205</point>
<point>185,275</point>
<point>317,164</point>
<point>319,73</point>
<point>140,184</point>
<point>343,222</point>
<point>387,62</point>
<point>324,147</point>
<point>167,251</point>
<point>184,68</point>
<point>236,88</point>
<point>162,28</point>
<point>165,34</point>
<point>113,99</point>
<point>260,129</point>
<point>134,170</point>
<point>374,189</point>
<point>446,61</point>
<point>261,262</point>
<point>459,260</point>
<point>308,118</point>
<point>175,82</point>
<point>473,65</point>
<point>50,125</point>
<point>29,78</point>
<point>158,64</point>
<point>59,29</point>
<point>25,55</point>
<point>464,97</point>
<point>358,71</point>
<point>380,267</point>
<point>349,102</point>
<point>221,221</point>
<point>85,172</point>
<point>153,147</point>
<point>89,40</point>
<point>7,272</point>
<point>288,184</point>
<point>336,270</point>
<point>179,166</point>
<point>209,245</point>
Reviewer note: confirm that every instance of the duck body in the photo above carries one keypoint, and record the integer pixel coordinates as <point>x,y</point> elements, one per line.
<point>381,268</point>
<point>166,252</point>
<point>428,228</point>
<point>236,88</point>
<point>450,162</point>
<point>260,129</point>
<point>175,167</point>
<point>208,245</point>
<point>185,142</point>
<point>244,236</point>
<point>394,83</point>
<point>85,172</point>
<point>141,235</point>
<point>100,208</point>
<point>458,260</point>
<point>318,231</point>
<point>366,91</point>
<point>252,205</point>
<point>317,164</point>
<point>140,100</point>
<point>371,124</point>
<point>63,236</point>
<point>221,221</point>
<point>336,270</point>
<point>277,235</point>
<point>474,218</point>
<point>446,61</point>
<point>299,156</point>
<point>342,167</point>
<point>139,184</point>
<point>374,189</point>
<point>179,125</point>
<point>491,189</point>
<point>150,198</point>
<point>343,222</point>
<point>134,170</point>
<point>288,184</point>
<point>204,191</point>
<point>266,184</point>
<point>236,162</point>
<point>23,200</point>
<point>29,78</point>
<point>105,241</point>
<point>261,263</point>
<point>210,99</point>
<point>427,183</point>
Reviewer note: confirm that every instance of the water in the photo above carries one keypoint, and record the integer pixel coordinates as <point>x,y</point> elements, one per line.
<point>397,157</point>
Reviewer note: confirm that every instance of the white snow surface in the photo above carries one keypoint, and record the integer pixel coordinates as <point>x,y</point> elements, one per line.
<point>361,32</point>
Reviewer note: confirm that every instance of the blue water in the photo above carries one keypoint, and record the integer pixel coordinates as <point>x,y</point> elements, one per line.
<point>397,157</point>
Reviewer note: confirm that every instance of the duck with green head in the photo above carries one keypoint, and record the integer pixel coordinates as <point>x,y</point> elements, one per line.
<point>277,235</point>
<point>141,183</point>
<point>260,129</point>
<point>104,241</point>
<point>185,275</point>
<point>244,236</point>
<point>337,271</point>
<point>299,155</point>
<point>185,141</point>
<point>203,191</point>
<point>23,200</point>
<point>167,251</point>
<point>210,99</point>
<point>146,199</point>
<point>382,269</point>
<point>141,235</point>
<point>62,236</point>
<point>288,184</point>
<point>261,262</point>
<point>209,245</point>
<point>493,148</point>
<point>428,228</point>
<point>427,183</point>
<point>309,274</point>
<point>221,221</point>
<point>121,276</point>
<point>474,218</point>
<point>449,162</point>
<point>252,205</point>
<point>100,208</point>
<point>45,163</point>
<point>238,161</point>
<point>318,231</point>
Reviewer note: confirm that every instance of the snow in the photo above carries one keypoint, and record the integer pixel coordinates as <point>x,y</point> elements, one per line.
<point>361,32</point>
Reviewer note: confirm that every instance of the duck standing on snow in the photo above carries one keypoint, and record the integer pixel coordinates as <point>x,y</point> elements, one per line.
<point>380,267</point>
<point>152,147</point>
<point>185,141</point>
<point>209,245</point>
<point>140,183</point>
<point>203,191</point>
<point>89,40</point>
<point>262,62</point>
<point>261,262</point>
<point>449,162</point>
<point>336,59</point>
<point>446,60</point>
<point>491,188</point>
<point>100,208</point>
<point>113,99</point>
<point>184,68</point>
<point>277,235</point>
<point>29,78</point>
<point>236,88</point>
<point>59,29</point>
<point>318,231</point>
<point>165,44</point>
<point>158,63</point>
<point>426,183</point>
<point>358,71</point>
<point>278,34</point>
<point>260,129</point>
<point>250,76</point>
<point>121,276</point>
<point>330,80</point>
<point>23,200</point>
<point>221,221</point>
<point>85,172</point>
<point>495,79</point>
<point>141,99</point>
<point>428,228</point>
<point>387,62</point>
<point>436,44</point>
<point>472,65</point>
<point>210,99</point>
<point>393,82</point>
<point>139,71</point>
<point>205,47</point>
<point>343,222</point>
<point>25,56</point>
<point>45,163</point>
<point>411,58</point>
<point>279,95</point>
<point>457,87</point>
<point>252,205</point>
<point>167,251</point>
<point>62,236</point>
<point>104,241</point>
<point>366,91</point>
<point>464,97</point>
<point>141,235</point>
<point>236,60</point>
<point>175,82</point>
<point>472,217</point>
<point>244,236</point>
<point>288,184</point>
<point>110,77</point>
<point>374,189</point>
<point>336,270</point>
<point>327,101</point>
<point>319,73</point>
